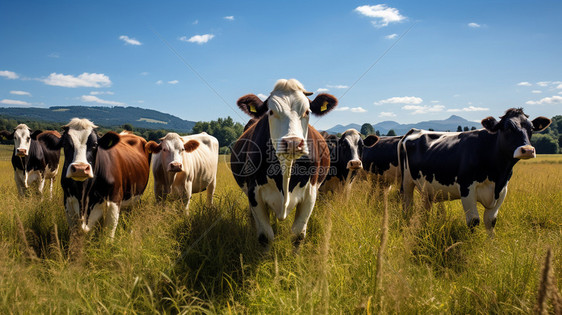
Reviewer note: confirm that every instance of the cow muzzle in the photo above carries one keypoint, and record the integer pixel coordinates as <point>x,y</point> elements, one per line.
<point>293,146</point>
<point>354,165</point>
<point>80,171</point>
<point>174,167</point>
<point>21,152</point>
<point>524,152</point>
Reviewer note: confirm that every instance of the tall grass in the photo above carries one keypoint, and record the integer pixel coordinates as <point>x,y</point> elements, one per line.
<point>162,261</point>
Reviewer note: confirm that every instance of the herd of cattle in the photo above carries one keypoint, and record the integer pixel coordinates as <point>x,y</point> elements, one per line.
<point>280,162</point>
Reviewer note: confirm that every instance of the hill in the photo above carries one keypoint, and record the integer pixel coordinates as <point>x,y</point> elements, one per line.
<point>103,116</point>
<point>450,124</point>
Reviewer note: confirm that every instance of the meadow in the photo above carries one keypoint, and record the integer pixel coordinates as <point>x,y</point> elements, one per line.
<point>162,261</point>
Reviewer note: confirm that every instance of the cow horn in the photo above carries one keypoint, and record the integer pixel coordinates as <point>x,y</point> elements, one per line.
<point>308,93</point>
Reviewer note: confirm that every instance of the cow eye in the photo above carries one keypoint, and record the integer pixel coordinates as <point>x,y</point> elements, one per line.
<point>306,113</point>
<point>270,112</point>
<point>28,138</point>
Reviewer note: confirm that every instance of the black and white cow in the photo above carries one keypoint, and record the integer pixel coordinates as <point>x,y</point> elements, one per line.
<point>32,161</point>
<point>100,174</point>
<point>280,161</point>
<point>382,159</point>
<point>345,159</point>
<point>474,166</point>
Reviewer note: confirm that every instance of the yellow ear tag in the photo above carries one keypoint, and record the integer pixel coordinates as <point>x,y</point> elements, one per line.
<point>110,143</point>
<point>324,106</point>
<point>253,109</point>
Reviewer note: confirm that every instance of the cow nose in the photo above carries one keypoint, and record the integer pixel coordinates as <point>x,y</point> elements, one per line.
<point>354,164</point>
<point>21,152</point>
<point>174,167</point>
<point>293,145</point>
<point>80,171</point>
<point>525,152</point>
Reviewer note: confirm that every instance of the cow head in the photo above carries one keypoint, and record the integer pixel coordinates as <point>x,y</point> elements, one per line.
<point>288,112</point>
<point>22,139</point>
<point>171,149</point>
<point>514,132</point>
<point>80,143</point>
<point>349,148</point>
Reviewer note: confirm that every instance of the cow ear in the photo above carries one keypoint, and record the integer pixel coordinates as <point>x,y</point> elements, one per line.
<point>35,134</point>
<point>51,141</point>
<point>191,146</point>
<point>153,147</point>
<point>540,123</point>
<point>490,123</point>
<point>109,140</point>
<point>371,140</point>
<point>323,104</point>
<point>252,105</point>
<point>6,134</point>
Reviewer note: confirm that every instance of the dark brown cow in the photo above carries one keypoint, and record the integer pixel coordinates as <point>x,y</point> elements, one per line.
<point>280,161</point>
<point>99,173</point>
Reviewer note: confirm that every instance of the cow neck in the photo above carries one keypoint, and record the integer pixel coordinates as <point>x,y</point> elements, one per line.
<point>501,167</point>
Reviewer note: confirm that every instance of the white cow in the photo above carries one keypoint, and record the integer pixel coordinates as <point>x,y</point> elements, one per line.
<point>184,165</point>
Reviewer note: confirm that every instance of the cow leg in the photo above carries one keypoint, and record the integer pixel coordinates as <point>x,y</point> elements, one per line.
<point>407,196</point>
<point>95,214</point>
<point>160,192</point>
<point>211,192</point>
<point>188,187</point>
<point>263,227</point>
<point>41,184</point>
<point>302,214</point>
<point>19,177</point>
<point>72,210</point>
<point>52,182</point>
<point>471,209</point>
<point>111,218</point>
<point>490,214</point>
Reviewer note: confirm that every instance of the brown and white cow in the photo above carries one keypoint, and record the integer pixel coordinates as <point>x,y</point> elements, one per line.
<point>473,166</point>
<point>280,161</point>
<point>185,165</point>
<point>100,174</point>
<point>32,161</point>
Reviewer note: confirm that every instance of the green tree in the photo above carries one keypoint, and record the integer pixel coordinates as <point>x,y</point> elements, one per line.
<point>391,132</point>
<point>465,128</point>
<point>459,128</point>
<point>378,133</point>
<point>367,129</point>
<point>127,127</point>
<point>472,128</point>
<point>544,144</point>
<point>226,130</point>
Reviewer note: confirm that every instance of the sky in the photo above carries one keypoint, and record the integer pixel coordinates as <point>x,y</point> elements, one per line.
<point>406,61</point>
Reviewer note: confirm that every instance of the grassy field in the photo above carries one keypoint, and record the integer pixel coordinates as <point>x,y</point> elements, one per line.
<point>162,261</point>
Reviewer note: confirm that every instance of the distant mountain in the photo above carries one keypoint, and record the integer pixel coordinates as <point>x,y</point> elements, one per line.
<point>449,124</point>
<point>103,116</point>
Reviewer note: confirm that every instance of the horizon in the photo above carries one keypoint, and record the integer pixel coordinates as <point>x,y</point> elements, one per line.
<point>385,61</point>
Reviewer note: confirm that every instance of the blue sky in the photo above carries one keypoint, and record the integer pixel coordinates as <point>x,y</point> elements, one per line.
<point>469,58</point>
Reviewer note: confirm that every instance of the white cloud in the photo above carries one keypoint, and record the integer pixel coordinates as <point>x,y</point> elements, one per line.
<point>387,114</point>
<point>54,55</point>
<point>543,83</point>
<point>14,102</point>
<point>101,92</point>
<point>382,13</point>
<point>536,91</point>
<point>424,109</point>
<point>9,75</point>
<point>195,22</point>
<point>351,109</point>
<point>263,97</point>
<point>230,18</point>
<point>144,73</point>
<point>174,82</point>
<point>130,41</point>
<point>524,83</point>
<point>547,100</point>
<point>474,25</point>
<point>322,90</point>
<point>469,109</point>
<point>95,99</point>
<point>337,86</point>
<point>20,93</point>
<point>95,80</point>
<point>401,100</point>
<point>391,36</point>
<point>435,102</point>
<point>559,86</point>
<point>159,82</point>
<point>199,39</point>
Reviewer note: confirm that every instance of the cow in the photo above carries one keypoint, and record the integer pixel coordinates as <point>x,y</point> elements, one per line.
<point>382,159</point>
<point>100,174</point>
<point>281,160</point>
<point>345,159</point>
<point>474,166</point>
<point>32,161</point>
<point>185,165</point>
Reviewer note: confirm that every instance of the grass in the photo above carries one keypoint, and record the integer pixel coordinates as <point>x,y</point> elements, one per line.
<point>162,261</point>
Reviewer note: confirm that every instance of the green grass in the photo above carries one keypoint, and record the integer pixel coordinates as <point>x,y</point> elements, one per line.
<point>162,261</point>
